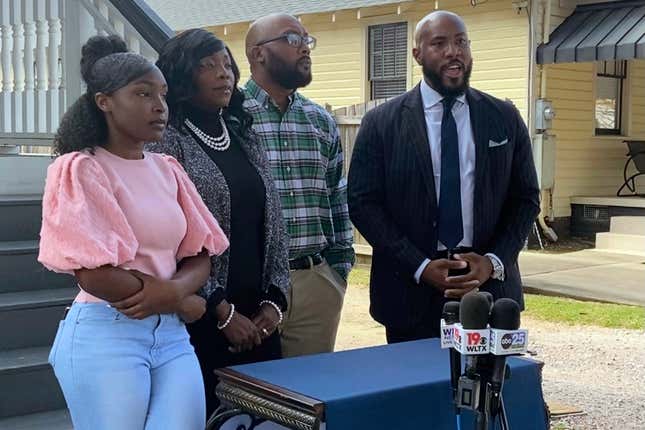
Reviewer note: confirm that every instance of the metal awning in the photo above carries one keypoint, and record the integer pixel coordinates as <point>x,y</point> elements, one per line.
<point>598,32</point>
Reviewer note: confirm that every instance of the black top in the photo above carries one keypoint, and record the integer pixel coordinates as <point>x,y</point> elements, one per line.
<point>247,200</point>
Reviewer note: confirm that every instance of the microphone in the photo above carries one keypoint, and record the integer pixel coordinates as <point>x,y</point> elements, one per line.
<point>483,361</point>
<point>473,314</point>
<point>474,311</point>
<point>488,296</point>
<point>450,316</point>
<point>505,315</point>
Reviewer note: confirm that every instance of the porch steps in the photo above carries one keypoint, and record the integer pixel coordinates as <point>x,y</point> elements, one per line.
<point>626,235</point>
<point>31,386</point>
<point>21,271</point>
<point>32,301</point>
<point>54,420</point>
<point>632,225</point>
<point>20,217</point>
<point>21,175</point>
<point>32,316</point>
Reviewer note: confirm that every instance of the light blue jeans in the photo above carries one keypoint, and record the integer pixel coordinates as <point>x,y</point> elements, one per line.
<point>121,373</point>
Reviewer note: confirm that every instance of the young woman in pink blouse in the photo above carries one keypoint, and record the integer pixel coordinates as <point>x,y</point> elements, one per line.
<point>132,228</point>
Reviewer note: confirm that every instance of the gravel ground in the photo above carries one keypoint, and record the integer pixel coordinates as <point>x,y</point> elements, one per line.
<point>600,371</point>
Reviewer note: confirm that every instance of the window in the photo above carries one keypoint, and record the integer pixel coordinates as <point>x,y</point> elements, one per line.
<point>388,54</point>
<point>609,96</point>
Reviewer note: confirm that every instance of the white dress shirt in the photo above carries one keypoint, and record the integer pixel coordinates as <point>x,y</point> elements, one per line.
<point>433,112</point>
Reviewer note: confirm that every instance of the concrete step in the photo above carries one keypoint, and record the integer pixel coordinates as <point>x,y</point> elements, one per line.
<point>21,271</point>
<point>27,383</point>
<point>30,318</point>
<point>624,243</point>
<point>634,225</point>
<point>23,174</point>
<point>54,420</point>
<point>21,217</point>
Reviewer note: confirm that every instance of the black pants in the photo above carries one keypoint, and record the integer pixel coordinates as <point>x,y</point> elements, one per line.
<point>423,330</point>
<point>211,347</point>
<point>427,320</point>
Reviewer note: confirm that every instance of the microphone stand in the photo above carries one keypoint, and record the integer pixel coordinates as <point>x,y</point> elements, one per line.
<point>484,412</point>
<point>502,413</point>
<point>482,415</point>
<point>481,421</point>
<point>495,401</point>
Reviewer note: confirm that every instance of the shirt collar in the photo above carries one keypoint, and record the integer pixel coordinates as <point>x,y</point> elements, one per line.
<point>263,98</point>
<point>430,97</point>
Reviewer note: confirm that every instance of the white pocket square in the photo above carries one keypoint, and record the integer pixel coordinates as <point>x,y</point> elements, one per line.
<point>493,144</point>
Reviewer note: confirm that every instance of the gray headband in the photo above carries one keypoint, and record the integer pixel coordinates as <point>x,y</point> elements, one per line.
<point>117,70</point>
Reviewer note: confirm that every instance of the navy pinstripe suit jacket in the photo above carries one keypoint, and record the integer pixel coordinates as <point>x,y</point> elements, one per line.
<point>392,201</point>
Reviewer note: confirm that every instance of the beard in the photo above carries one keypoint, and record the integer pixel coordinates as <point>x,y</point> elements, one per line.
<point>288,75</point>
<point>453,91</point>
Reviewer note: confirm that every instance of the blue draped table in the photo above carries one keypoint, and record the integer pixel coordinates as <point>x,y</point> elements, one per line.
<point>398,387</point>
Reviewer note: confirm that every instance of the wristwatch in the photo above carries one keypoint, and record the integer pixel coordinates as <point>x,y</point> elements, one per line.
<point>498,268</point>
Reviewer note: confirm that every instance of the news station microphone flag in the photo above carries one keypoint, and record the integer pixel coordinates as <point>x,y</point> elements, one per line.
<point>504,317</point>
<point>480,387</point>
<point>450,316</point>
<point>474,313</point>
<point>466,338</point>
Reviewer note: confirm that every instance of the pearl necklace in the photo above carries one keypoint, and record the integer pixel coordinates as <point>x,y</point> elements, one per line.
<point>220,143</point>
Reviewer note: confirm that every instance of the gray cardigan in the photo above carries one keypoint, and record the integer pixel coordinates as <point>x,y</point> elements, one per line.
<point>211,185</point>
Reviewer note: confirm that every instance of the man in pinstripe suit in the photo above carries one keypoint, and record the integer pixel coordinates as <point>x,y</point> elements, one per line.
<point>443,186</point>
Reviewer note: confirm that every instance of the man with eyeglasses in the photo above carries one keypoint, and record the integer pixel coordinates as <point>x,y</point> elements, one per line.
<point>305,153</point>
<point>443,186</point>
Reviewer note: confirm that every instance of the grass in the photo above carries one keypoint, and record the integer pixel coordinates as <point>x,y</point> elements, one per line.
<point>557,309</point>
<point>359,276</point>
<point>569,311</point>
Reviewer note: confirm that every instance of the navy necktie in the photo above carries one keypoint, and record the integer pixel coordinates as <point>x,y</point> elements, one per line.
<point>451,229</point>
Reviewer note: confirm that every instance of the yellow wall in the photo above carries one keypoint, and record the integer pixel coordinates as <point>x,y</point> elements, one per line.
<point>499,41</point>
<point>559,12</point>
<point>637,95</point>
<point>636,100</point>
<point>588,165</point>
<point>585,164</point>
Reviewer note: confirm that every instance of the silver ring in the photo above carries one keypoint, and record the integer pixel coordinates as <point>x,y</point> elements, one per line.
<point>265,331</point>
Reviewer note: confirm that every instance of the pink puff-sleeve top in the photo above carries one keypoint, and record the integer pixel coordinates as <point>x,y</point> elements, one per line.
<point>100,209</point>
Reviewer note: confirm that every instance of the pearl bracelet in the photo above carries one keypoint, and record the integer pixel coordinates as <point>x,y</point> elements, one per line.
<point>222,326</point>
<point>276,307</point>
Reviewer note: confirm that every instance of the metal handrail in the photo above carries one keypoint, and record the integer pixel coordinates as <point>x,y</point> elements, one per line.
<point>150,25</point>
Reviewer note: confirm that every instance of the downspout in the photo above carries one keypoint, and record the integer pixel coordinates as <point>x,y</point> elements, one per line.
<point>546,22</point>
<point>546,205</point>
<point>530,102</point>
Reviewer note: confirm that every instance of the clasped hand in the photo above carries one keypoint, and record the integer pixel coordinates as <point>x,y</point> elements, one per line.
<point>158,296</point>
<point>437,275</point>
<point>245,334</point>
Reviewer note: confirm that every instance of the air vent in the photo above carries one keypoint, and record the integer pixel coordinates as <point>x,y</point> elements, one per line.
<point>596,213</point>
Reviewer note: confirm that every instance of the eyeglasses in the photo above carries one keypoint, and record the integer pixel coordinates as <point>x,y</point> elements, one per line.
<point>293,39</point>
<point>443,44</point>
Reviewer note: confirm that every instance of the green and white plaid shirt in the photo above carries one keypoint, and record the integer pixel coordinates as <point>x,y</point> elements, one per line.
<point>305,153</point>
